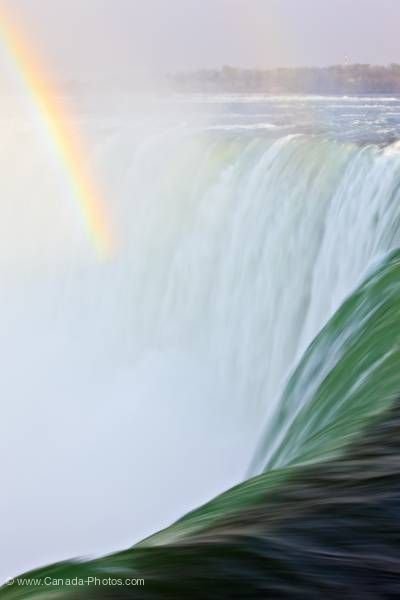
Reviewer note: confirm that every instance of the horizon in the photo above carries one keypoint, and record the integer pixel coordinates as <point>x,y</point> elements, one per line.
<point>296,68</point>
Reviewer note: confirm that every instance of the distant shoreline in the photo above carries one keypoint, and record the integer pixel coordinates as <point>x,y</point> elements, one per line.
<point>338,79</point>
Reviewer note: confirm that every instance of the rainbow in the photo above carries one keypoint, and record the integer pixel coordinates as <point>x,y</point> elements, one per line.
<point>63,135</point>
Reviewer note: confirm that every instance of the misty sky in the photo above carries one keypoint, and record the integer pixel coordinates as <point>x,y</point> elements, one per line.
<point>118,37</point>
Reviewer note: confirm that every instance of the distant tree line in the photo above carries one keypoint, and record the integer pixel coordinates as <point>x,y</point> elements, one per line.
<point>337,79</point>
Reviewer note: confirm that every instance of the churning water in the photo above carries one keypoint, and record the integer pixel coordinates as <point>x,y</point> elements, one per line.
<point>137,387</point>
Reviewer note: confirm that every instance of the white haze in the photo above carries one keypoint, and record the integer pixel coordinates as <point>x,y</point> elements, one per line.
<point>134,41</point>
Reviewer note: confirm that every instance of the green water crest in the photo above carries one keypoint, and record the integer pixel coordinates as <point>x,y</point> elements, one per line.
<point>347,378</point>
